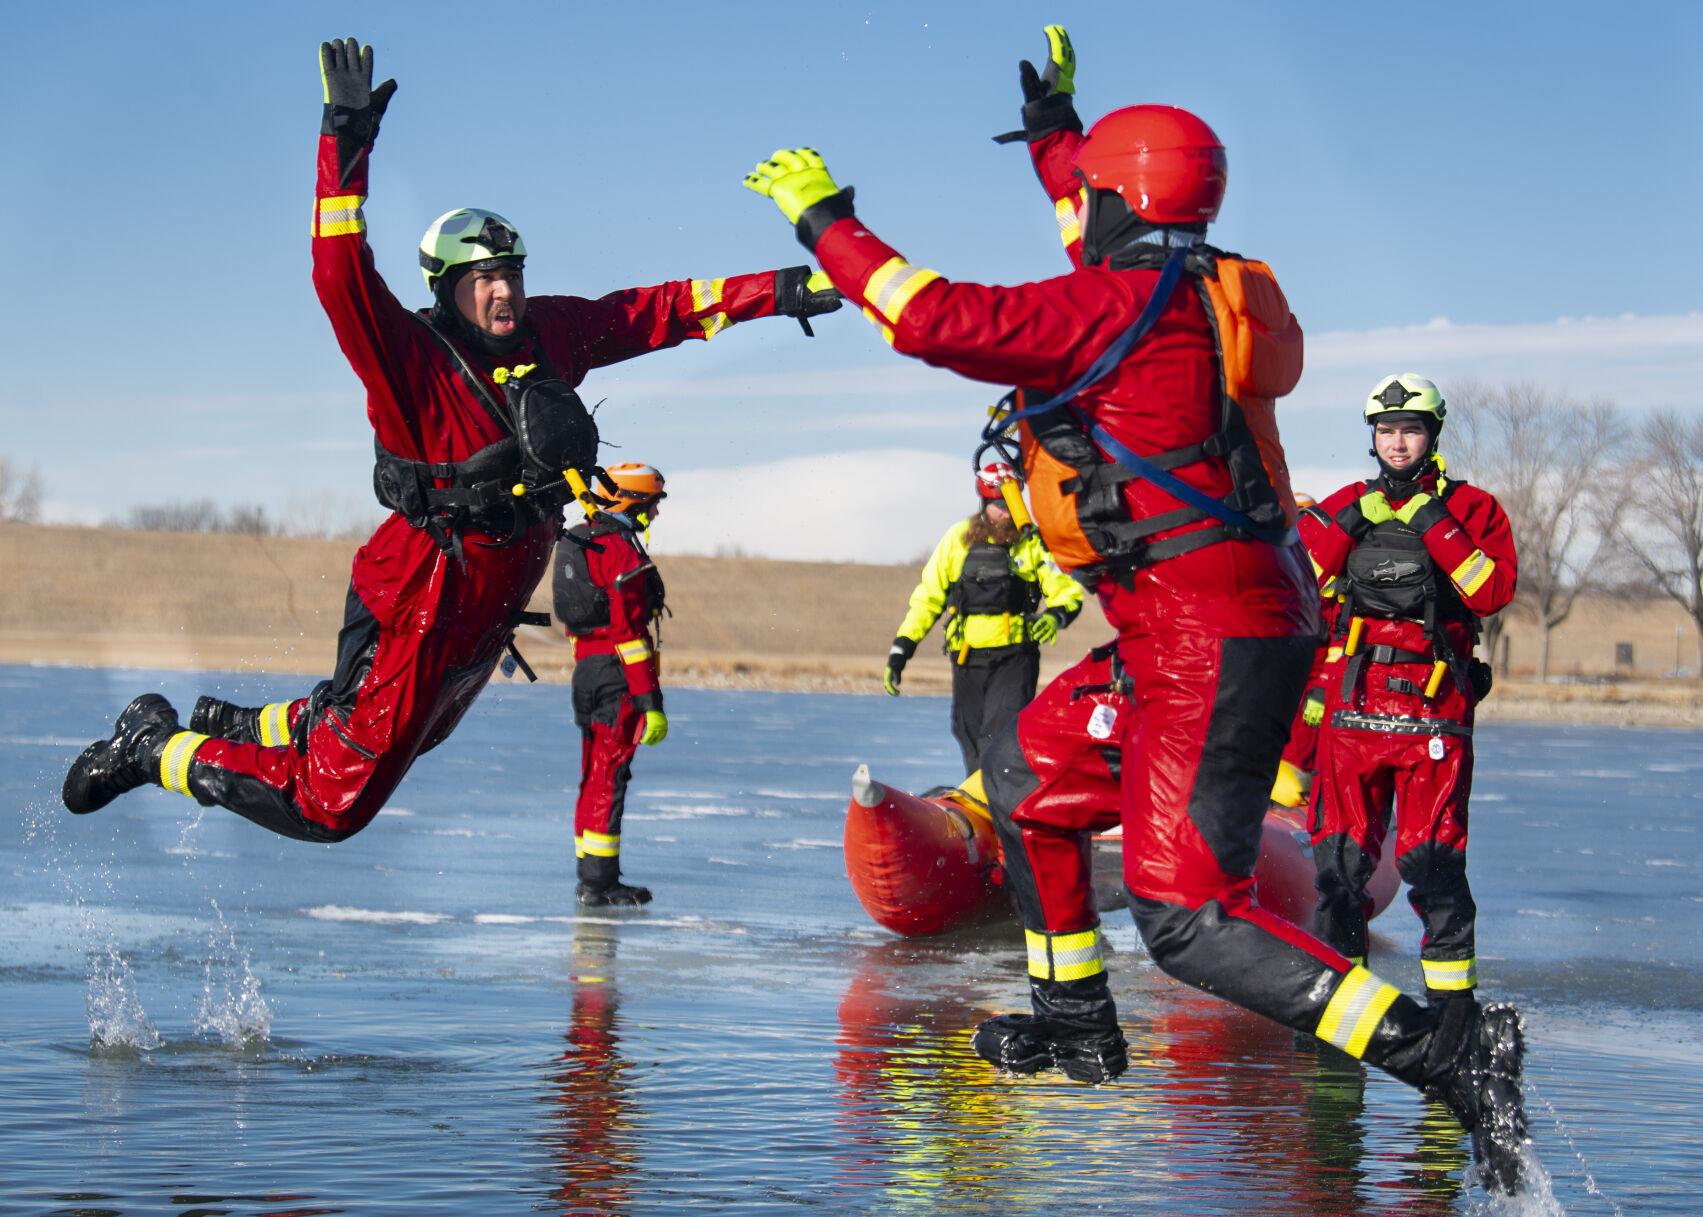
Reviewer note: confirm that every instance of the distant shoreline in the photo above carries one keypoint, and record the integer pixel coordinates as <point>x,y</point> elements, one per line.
<point>103,598</point>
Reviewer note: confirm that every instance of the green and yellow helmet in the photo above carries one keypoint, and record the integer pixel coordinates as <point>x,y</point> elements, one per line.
<point>468,237</point>
<point>1407,393</point>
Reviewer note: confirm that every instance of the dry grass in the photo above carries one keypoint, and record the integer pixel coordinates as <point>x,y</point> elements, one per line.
<point>177,600</point>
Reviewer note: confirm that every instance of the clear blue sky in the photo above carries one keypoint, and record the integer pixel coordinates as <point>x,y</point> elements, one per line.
<point>1504,166</point>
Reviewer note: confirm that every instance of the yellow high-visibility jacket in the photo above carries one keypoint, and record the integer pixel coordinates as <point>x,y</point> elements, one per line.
<point>1036,581</point>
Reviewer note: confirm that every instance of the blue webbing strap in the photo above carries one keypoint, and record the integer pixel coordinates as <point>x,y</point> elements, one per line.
<point>1102,367</point>
<point>1112,356</point>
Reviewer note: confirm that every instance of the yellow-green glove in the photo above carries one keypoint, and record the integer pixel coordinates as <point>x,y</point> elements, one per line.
<point>891,677</point>
<point>656,727</point>
<point>1043,627</point>
<point>1060,73</point>
<point>795,178</point>
<point>1313,709</point>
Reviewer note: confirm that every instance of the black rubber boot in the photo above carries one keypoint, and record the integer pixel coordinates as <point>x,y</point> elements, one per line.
<point>1473,1066</point>
<point>1074,1028</point>
<point>131,758</point>
<point>226,720</point>
<point>600,885</point>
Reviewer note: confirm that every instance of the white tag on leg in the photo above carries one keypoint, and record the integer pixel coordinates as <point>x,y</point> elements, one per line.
<point>1436,747</point>
<point>1100,723</point>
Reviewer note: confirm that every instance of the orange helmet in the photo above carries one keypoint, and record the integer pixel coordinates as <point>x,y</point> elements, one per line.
<point>632,485</point>
<point>990,476</point>
<point>1167,164</point>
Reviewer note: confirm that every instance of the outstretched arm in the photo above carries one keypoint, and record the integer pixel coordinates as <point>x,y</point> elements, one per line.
<point>636,320</point>
<point>1053,131</point>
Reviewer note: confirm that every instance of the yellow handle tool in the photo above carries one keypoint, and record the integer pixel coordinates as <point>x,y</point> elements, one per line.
<point>1436,681</point>
<point>1013,496</point>
<point>1356,627</point>
<point>582,492</point>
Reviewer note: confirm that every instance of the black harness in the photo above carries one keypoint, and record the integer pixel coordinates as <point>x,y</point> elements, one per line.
<point>504,488</point>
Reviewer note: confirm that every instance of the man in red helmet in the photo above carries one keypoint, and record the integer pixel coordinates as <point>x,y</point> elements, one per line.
<point>1147,422</point>
<point>1417,558</point>
<point>478,427</point>
<point>1003,596</point>
<point>607,593</point>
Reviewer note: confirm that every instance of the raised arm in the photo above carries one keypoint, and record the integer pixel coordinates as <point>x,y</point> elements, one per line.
<point>1053,131</point>
<point>371,325</point>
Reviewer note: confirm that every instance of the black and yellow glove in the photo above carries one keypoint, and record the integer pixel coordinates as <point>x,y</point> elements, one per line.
<point>1048,104</point>
<point>1422,513</point>
<point>802,294</point>
<point>1359,517</point>
<point>800,185</point>
<point>353,107</point>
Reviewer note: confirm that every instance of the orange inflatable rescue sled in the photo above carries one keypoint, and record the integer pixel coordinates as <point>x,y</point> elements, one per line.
<point>931,863</point>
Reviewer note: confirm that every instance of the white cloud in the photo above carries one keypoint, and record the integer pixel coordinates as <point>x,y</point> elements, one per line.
<point>871,505</point>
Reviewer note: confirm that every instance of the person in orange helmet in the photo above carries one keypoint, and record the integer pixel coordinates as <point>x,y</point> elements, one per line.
<point>607,594</point>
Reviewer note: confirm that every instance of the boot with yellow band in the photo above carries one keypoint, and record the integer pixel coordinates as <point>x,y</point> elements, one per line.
<point>1074,1026</point>
<point>268,725</point>
<point>130,758</point>
<point>600,883</point>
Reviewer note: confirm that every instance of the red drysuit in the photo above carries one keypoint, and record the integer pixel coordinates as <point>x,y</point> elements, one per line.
<point>1383,739</point>
<point>423,631</point>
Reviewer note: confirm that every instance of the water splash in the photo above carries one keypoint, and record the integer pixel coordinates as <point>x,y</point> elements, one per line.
<point>117,1021</point>
<point>231,1005</point>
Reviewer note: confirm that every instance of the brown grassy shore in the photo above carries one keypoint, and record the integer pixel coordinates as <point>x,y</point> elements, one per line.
<point>112,598</point>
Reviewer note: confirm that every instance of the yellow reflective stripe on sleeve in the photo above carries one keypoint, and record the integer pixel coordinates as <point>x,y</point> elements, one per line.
<point>174,761</point>
<point>275,725</point>
<point>893,285</point>
<point>1355,1010</point>
<point>340,216</point>
<point>1450,973</point>
<point>636,650</point>
<point>707,293</point>
<point>1472,574</point>
<point>598,845</point>
<point>1064,956</point>
<point>1069,223</point>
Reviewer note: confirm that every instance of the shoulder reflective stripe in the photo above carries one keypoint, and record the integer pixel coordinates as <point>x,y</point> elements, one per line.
<point>1064,956</point>
<point>598,844</point>
<point>893,285</point>
<point>174,761</point>
<point>635,650</point>
<point>1069,224</point>
<point>340,216</point>
<point>1450,973</point>
<point>275,724</point>
<point>1355,1010</point>
<point>1472,574</point>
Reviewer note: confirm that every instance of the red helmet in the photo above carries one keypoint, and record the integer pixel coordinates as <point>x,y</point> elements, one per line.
<point>990,476</point>
<point>1166,163</point>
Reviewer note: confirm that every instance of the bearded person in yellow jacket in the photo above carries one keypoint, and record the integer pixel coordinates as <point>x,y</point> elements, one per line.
<point>1002,596</point>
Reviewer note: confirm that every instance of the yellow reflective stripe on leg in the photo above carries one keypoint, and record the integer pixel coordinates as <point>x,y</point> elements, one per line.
<point>635,650</point>
<point>1472,574</point>
<point>1069,221</point>
<point>893,285</point>
<point>174,761</point>
<point>1064,956</point>
<point>1450,973</point>
<point>599,845</point>
<point>275,724</point>
<point>340,216</point>
<point>1355,1010</point>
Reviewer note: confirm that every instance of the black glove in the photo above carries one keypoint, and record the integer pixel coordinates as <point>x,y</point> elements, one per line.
<point>900,654</point>
<point>801,292</point>
<point>353,107</point>
<point>1046,107</point>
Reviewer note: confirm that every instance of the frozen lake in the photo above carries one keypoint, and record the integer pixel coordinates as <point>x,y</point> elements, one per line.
<point>199,1017</point>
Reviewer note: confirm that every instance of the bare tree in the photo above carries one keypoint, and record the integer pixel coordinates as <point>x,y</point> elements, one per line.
<point>1546,459</point>
<point>20,493</point>
<point>1663,529</point>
